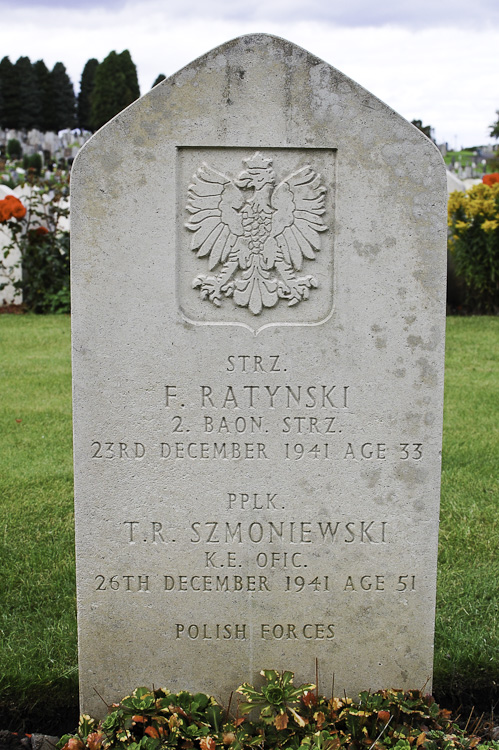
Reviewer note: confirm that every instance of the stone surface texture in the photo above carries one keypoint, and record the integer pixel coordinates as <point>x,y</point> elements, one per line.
<point>258,351</point>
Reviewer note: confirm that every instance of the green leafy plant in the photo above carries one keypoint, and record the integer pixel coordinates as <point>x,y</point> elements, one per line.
<point>277,699</point>
<point>289,717</point>
<point>473,219</point>
<point>33,163</point>
<point>37,232</point>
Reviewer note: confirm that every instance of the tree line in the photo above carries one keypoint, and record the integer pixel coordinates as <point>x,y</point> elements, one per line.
<point>32,96</point>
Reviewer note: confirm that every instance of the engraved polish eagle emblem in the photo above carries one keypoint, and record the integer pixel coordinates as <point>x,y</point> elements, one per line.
<point>254,234</point>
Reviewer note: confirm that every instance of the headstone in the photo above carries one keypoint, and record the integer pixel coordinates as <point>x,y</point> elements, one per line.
<point>258,251</point>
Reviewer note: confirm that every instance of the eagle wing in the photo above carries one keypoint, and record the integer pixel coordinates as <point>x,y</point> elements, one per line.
<point>299,203</point>
<point>214,203</point>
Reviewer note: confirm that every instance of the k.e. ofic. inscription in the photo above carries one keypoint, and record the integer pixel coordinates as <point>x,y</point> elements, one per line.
<point>258,234</point>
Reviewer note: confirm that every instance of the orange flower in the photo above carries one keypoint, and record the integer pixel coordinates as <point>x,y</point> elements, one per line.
<point>18,210</point>
<point>490,179</point>
<point>11,207</point>
<point>5,213</point>
<point>42,230</point>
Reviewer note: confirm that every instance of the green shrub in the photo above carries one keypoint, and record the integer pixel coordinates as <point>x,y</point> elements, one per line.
<point>14,149</point>
<point>33,163</point>
<point>45,281</point>
<point>43,246</point>
<point>473,218</point>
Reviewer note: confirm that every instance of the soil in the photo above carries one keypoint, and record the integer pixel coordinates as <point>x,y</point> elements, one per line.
<point>12,310</point>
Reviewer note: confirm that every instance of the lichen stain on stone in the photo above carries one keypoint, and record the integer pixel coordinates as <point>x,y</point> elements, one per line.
<point>372,477</point>
<point>400,373</point>
<point>380,342</point>
<point>427,375</point>
<point>430,345</point>
<point>366,250</point>
<point>409,474</point>
<point>185,76</point>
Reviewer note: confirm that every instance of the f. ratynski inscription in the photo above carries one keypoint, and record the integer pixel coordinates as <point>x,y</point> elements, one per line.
<point>255,233</point>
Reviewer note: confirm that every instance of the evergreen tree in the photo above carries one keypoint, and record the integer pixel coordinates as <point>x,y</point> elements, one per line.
<point>115,87</point>
<point>494,129</point>
<point>130,71</point>
<point>9,114</point>
<point>30,106</point>
<point>84,97</point>
<point>426,129</point>
<point>62,109</point>
<point>160,78</point>
<point>44,88</point>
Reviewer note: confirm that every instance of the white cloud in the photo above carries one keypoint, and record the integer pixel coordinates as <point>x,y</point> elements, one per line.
<point>445,76</point>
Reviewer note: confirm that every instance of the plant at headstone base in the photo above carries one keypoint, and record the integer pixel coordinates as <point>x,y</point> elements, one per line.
<point>384,720</point>
<point>473,219</point>
<point>276,699</point>
<point>43,248</point>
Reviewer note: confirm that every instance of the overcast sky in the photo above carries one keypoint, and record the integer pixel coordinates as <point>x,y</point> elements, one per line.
<point>434,60</point>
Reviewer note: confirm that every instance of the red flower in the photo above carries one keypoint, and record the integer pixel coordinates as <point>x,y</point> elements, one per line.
<point>490,179</point>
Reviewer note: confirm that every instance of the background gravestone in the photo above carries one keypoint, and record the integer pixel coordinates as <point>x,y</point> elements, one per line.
<point>258,340</point>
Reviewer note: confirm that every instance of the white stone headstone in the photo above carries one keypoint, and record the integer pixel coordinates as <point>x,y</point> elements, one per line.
<point>258,270</point>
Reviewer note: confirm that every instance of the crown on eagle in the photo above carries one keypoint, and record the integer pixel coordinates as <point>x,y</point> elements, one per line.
<point>257,161</point>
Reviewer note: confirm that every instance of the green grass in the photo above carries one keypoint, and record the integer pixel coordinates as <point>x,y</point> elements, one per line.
<point>466,157</point>
<point>37,594</point>
<point>38,658</point>
<point>467,623</point>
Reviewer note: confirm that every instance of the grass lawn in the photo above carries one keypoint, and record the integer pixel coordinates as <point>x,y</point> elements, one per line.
<point>38,650</point>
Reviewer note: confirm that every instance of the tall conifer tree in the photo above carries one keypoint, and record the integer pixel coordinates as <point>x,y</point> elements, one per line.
<point>84,97</point>
<point>115,87</point>
<point>129,69</point>
<point>44,87</point>
<point>9,114</point>
<point>30,105</point>
<point>62,110</point>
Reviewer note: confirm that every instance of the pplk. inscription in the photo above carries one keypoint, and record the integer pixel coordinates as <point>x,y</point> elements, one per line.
<point>256,233</point>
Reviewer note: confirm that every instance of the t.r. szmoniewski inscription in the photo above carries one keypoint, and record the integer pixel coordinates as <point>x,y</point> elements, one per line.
<point>257,233</point>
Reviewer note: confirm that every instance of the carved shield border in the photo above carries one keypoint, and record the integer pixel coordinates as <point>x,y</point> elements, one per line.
<point>231,161</point>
